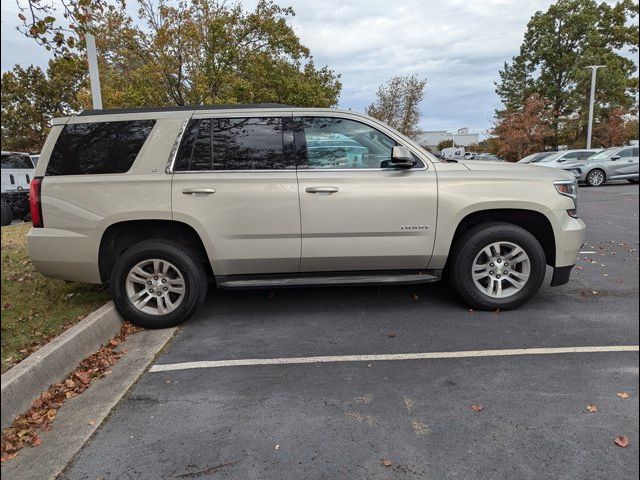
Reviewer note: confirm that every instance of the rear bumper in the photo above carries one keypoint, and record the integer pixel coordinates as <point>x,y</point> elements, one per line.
<point>64,255</point>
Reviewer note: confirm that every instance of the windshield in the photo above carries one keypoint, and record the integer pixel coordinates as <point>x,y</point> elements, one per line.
<point>549,158</point>
<point>16,160</point>
<point>603,154</point>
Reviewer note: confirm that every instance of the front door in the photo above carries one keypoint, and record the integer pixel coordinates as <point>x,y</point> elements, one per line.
<point>357,212</point>
<point>234,179</point>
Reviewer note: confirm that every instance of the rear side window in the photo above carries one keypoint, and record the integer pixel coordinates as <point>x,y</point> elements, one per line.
<point>232,144</point>
<point>16,160</point>
<point>94,148</point>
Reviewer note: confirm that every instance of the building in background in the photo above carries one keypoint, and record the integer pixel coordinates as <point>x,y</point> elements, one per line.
<point>431,138</point>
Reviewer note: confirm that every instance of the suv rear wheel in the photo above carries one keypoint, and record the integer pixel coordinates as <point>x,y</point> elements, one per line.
<point>7,213</point>
<point>158,283</point>
<point>497,265</point>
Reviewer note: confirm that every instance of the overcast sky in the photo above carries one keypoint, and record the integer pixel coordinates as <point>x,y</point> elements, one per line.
<point>457,45</point>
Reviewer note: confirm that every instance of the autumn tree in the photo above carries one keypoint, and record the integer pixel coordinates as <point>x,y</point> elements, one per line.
<point>524,130</point>
<point>616,128</point>
<point>558,46</point>
<point>31,97</point>
<point>398,101</point>
<point>444,144</point>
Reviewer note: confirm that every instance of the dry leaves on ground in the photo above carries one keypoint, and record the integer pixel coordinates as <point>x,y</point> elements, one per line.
<point>624,395</point>
<point>43,411</point>
<point>621,441</point>
<point>386,463</point>
<point>477,408</point>
<point>592,408</point>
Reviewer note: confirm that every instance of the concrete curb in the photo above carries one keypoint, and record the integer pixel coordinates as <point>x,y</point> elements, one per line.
<point>52,363</point>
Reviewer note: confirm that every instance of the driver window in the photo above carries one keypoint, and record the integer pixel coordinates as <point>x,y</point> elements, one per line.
<point>338,143</point>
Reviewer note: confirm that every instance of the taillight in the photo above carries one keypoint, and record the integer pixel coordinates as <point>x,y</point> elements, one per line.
<point>35,203</point>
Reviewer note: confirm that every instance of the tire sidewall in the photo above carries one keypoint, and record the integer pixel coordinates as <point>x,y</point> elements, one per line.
<point>184,261</point>
<point>473,243</point>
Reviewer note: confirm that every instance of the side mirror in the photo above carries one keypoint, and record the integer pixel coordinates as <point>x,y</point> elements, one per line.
<point>401,157</point>
<point>562,160</point>
<point>615,157</point>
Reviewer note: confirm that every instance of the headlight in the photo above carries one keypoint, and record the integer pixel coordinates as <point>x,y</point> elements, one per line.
<point>569,188</point>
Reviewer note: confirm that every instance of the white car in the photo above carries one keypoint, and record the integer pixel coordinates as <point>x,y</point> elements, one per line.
<point>566,156</point>
<point>17,172</point>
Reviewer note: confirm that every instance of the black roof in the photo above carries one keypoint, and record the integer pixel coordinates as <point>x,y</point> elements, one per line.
<point>184,108</point>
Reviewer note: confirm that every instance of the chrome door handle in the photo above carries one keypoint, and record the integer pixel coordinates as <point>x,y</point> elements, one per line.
<point>198,191</point>
<point>321,189</point>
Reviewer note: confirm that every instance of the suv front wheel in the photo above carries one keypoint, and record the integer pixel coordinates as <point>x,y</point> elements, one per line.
<point>158,283</point>
<point>497,265</point>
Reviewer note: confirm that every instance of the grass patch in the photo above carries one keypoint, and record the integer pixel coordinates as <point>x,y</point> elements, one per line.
<point>36,308</point>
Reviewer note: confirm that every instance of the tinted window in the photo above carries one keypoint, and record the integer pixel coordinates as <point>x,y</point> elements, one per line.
<point>636,150</point>
<point>570,156</point>
<point>341,143</point>
<point>16,160</point>
<point>627,152</point>
<point>232,144</point>
<point>92,148</point>
<point>584,155</point>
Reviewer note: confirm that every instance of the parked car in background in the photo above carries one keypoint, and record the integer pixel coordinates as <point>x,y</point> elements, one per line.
<point>158,202</point>
<point>470,155</point>
<point>535,157</point>
<point>558,159</point>
<point>452,153</point>
<point>487,157</point>
<point>615,163</point>
<point>17,172</point>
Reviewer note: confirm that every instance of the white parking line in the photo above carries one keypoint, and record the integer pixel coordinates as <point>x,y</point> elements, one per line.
<point>388,357</point>
<point>588,251</point>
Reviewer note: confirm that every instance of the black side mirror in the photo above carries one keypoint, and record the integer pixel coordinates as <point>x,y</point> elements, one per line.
<point>562,160</point>
<point>401,157</point>
<point>615,157</point>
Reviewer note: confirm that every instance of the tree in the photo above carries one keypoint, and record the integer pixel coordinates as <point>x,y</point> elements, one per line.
<point>31,97</point>
<point>525,130</point>
<point>397,103</point>
<point>194,52</point>
<point>559,44</point>
<point>444,144</point>
<point>617,128</point>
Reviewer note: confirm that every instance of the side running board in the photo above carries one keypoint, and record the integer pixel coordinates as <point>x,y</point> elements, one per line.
<point>326,281</point>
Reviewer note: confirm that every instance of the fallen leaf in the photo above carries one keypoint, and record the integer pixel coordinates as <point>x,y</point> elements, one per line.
<point>477,408</point>
<point>91,422</point>
<point>386,463</point>
<point>621,441</point>
<point>497,311</point>
<point>392,333</point>
<point>415,296</point>
<point>623,394</point>
<point>277,447</point>
<point>592,408</point>
<point>36,441</point>
<point>579,268</point>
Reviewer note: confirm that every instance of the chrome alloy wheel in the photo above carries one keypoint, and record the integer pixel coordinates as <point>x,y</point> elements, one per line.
<point>155,286</point>
<point>596,178</point>
<point>501,269</point>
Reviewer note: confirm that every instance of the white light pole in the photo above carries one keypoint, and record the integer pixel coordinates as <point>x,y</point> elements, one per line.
<point>594,69</point>
<point>92,57</point>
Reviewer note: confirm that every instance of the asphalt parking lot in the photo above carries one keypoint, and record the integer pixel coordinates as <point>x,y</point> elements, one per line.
<point>342,419</point>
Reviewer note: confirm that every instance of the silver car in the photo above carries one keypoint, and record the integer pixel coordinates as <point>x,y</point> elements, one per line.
<point>615,163</point>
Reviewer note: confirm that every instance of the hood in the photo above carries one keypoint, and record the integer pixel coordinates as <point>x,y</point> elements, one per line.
<point>517,169</point>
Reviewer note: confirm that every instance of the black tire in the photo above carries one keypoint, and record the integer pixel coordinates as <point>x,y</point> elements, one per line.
<point>185,260</point>
<point>591,177</point>
<point>469,246</point>
<point>6,213</point>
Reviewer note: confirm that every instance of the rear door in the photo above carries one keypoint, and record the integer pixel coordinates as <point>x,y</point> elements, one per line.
<point>356,212</point>
<point>235,178</point>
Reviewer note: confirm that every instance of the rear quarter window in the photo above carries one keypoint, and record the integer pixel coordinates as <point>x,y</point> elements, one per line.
<point>101,147</point>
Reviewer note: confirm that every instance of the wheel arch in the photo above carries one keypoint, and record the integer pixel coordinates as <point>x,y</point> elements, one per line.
<point>533,221</point>
<point>120,236</point>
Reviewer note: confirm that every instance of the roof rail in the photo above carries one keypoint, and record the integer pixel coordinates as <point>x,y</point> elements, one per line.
<point>183,108</point>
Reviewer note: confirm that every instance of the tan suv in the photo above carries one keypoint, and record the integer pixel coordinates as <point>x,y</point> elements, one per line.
<point>157,203</point>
